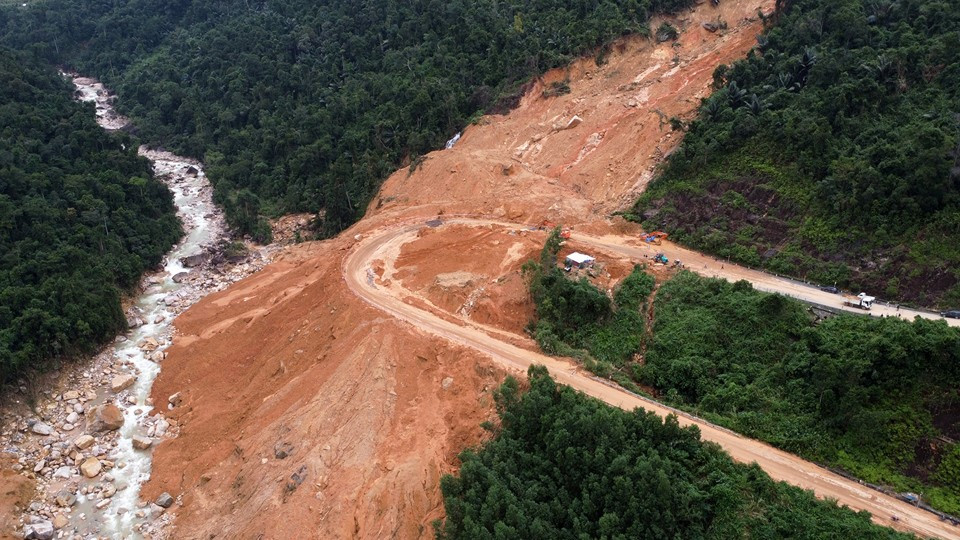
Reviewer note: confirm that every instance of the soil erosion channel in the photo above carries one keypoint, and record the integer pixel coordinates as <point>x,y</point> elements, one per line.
<point>387,294</point>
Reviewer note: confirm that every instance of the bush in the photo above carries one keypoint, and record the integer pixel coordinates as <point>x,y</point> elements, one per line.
<point>574,318</point>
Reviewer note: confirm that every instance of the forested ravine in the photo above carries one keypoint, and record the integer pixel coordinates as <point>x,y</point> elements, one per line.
<point>90,445</point>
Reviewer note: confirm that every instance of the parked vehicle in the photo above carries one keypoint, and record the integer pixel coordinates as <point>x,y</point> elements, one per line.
<point>830,289</point>
<point>862,301</point>
<point>951,313</point>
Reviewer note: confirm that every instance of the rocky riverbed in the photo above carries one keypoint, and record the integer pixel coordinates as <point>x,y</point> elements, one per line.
<point>85,437</point>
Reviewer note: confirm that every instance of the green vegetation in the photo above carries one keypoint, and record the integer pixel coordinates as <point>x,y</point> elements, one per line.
<point>301,106</point>
<point>81,217</point>
<point>566,466</point>
<point>877,397</point>
<point>832,152</point>
<point>576,319</point>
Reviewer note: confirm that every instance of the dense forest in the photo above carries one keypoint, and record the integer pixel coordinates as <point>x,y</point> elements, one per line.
<point>574,318</point>
<point>566,466</point>
<point>307,106</point>
<point>832,152</point>
<point>81,217</point>
<point>877,397</point>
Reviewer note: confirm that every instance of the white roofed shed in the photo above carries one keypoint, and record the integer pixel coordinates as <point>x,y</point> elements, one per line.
<point>580,260</point>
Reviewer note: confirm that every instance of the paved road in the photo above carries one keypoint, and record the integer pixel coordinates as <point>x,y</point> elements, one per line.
<point>778,464</point>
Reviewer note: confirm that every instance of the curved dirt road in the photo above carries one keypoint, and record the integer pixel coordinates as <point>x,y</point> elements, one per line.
<point>385,243</point>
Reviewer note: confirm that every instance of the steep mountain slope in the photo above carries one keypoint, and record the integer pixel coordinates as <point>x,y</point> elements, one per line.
<point>299,105</point>
<point>833,153</point>
<point>365,461</point>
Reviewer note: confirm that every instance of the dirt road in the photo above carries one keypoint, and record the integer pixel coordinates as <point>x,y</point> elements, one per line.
<point>708,266</point>
<point>389,297</point>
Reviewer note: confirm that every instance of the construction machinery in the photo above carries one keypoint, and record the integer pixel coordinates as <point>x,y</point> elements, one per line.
<point>656,237</point>
<point>547,225</point>
<point>660,258</point>
<point>860,301</point>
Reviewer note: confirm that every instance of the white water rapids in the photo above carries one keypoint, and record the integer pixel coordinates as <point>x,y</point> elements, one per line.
<point>162,298</point>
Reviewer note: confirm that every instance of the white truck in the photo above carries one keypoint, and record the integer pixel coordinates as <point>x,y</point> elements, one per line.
<point>860,301</point>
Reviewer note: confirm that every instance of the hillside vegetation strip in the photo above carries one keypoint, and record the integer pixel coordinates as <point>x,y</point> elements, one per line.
<point>831,152</point>
<point>81,218</point>
<point>874,396</point>
<point>308,106</point>
<point>574,318</point>
<point>566,466</point>
<point>877,397</point>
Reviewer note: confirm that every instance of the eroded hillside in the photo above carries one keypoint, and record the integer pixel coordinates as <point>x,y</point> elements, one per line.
<point>305,412</point>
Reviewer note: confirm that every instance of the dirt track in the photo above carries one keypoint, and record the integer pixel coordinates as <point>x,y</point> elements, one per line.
<point>389,297</point>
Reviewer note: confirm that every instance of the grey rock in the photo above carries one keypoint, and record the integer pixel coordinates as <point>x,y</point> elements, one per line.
<point>283,449</point>
<point>41,429</point>
<point>194,260</point>
<point>66,498</point>
<point>42,530</point>
<point>297,478</point>
<point>165,500</point>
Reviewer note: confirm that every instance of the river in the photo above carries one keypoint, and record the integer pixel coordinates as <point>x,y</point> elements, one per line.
<point>153,312</point>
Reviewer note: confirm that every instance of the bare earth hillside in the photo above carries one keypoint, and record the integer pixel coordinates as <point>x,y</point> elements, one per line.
<point>307,413</point>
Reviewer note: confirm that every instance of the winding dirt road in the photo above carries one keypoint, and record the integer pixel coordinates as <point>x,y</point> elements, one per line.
<point>388,296</point>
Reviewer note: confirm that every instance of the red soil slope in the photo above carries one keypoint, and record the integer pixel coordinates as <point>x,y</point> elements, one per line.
<point>373,409</point>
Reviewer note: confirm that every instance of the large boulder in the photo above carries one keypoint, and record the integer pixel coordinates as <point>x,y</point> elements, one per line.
<point>91,467</point>
<point>192,261</point>
<point>83,442</point>
<point>122,382</point>
<point>165,500</point>
<point>107,417</point>
<point>41,530</point>
<point>60,521</point>
<point>41,429</point>
<point>142,443</point>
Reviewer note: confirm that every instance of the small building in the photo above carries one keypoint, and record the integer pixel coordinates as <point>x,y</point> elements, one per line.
<point>579,260</point>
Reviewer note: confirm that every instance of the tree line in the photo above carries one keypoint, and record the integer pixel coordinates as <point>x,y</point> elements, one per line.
<point>81,217</point>
<point>562,465</point>
<point>308,106</point>
<point>874,396</point>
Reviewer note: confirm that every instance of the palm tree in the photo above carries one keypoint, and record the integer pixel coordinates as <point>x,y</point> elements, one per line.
<point>735,94</point>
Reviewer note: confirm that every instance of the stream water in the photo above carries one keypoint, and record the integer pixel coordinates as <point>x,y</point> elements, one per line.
<point>162,298</point>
